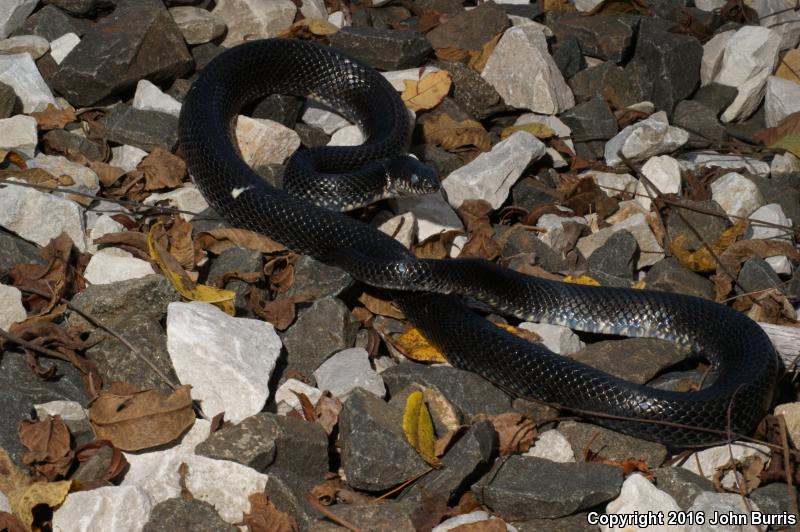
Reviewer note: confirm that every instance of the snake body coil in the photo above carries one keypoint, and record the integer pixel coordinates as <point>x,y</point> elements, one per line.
<point>742,355</point>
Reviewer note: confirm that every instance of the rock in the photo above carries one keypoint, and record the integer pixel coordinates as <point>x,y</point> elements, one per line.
<point>148,97</point>
<point>397,516</point>
<point>640,141</point>
<point>782,98</point>
<point>701,123</point>
<point>556,338</point>
<point>320,116</point>
<point>664,173</point>
<point>402,227</point>
<point>197,25</point>
<point>40,217</point>
<point>478,516</point>
<point>470,90</point>
<point>784,163</point>
<point>254,19</point>
<point>617,257</point>
<point>469,30</point>
<point>568,57</point>
<point>203,54</point>
<point>644,357</point>
<point>757,275</point>
<point>187,198</point>
<point>347,370</point>
<point>86,180</point>
<point>138,40</point>
<point>185,514</point>
<point>791,414</point>
<point>591,120</point>
<point>369,431</point>
<point>236,259</point>
<point>490,175</point>
<point>263,141</point>
<point>127,157</point>
<point>315,9</point>
<point>620,86</point>
<point>768,214</point>
<point>774,499</point>
<point>552,445</point>
<point>317,280</point>
<point>709,226</point>
<point>703,160</point>
<point>723,505</point>
<point>19,133</point>
<point>33,45</point>
<point>8,100</point>
<point>281,108</point>
<point>11,309</point>
<point>561,232</point>
<point>106,267</point>
<point>271,443</point>
<point>639,495</point>
<point>774,14</point>
<point>51,23</point>
<point>14,14</point>
<point>144,129</point>
<point>14,250</point>
<point>347,136</point>
<point>613,184</point>
<point>286,396</point>
<point>60,48</point>
<point>611,445</point>
<point>434,215</point>
<point>509,490</point>
<point>326,327</point>
<point>670,275</point>
<point>62,142</point>
<point>524,74</point>
<point>198,337</point>
<point>19,72</point>
<point>397,78</point>
<point>706,462</point>
<point>649,248</point>
<point>382,48</point>
<point>520,241</point>
<point>607,37</point>
<point>737,195</point>
<point>85,8</point>
<point>105,508</point>
<point>683,485</point>
<point>715,96</point>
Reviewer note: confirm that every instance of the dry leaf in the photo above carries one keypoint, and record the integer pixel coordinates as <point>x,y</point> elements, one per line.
<point>418,428</point>
<point>515,432</point>
<point>428,92</point>
<point>733,258</point>
<point>263,516</point>
<point>162,169</point>
<point>180,243</point>
<point>416,347</point>
<point>24,500</point>
<point>107,173</point>
<point>48,444</point>
<point>55,276</point>
<point>435,246</point>
<point>10,523</point>
<point>494,524</point>
<point>481,243</point>
<point>789,143</point>
<point>454,136</point>
<point>477,59</point>
<point>142,419</point>
<point>581,279</point>
<point>703,260</point>
<point>540,131</point>
<point>451,53</point>
<point>38,176</point>
<point>53,117</point>
<point>218,240</point>
<point>637,7</point>
<point>789,67</point>
<point>382,307</point>
<point>790,125</point>
<point>326,411</point>
<point>279,312</point>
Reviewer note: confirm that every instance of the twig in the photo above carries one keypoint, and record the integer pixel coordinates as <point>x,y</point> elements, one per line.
<point>14,339</point>
<point>314,503</point>
<point>403,485</point>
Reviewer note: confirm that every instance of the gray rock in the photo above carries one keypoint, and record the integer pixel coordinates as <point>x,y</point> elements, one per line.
<point>572,523</point>
<point>607,81</point>
<point>469,30</point>
<point>701,123</point>
<point>287,493</point>
<point>610,444</point>
<point>683,485</point>
<point>567,55</point>
<point>138,40</point>
<point>269,442</point>
<point>84,8</point>
<point>14,250</point>
<point>709,227</point>
<point>281,108</point>
<point>381,48</point>
<point>62,142</point>
<point>670,275</point>
<point>316,280</point>
<point>470,90</point>
<point>470,393</point>
<point>756,274</point>
<point>709,503</point>
<point>512,491</point>
<point>311,136</point>
<point>236,259</point>
<point>679,380</point>
<point>52,22</point>
<point>389,515</point>
<point>591,123</point>
<point>197,25</point>
<point>617,257</point>
<point>632,359</point>
<point>13,13</point>
<point>8,100</point>
<point>325,327</point>
<point>442,161</point>
<point>530,11</point>
<point>530,193</point>
<point>369,431</point>
<point>185,514</point>
<point>783,191</point>
<point>774,498</point>
<point>715,96</point>
<point>608,37</point>
<point>347,370</point>
<point>518,240</point>
<point>144,129</point>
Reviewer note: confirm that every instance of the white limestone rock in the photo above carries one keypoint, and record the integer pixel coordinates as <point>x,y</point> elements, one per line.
<point>4,505</point>
<point>99,226</point>
<point>286,399</point>
<point>254,19</point>
<point>61,47</point>
<point>11,308</point>
<point>651,250</point>
<point>187,198</point>
<point>784,163</point>
<point>709,503</point>
<point>478,516</point>
<point>556,338</point>
<point>640,495</point>
<point>613,184</point>
<point>85,179</point>
<point>791,414</point>
<point>664,173</point>
<point>118,508</point>
<point>491,174</point>
<point>737,195</point>
<point>25,44</point>
<point>709,5</point>
<point>13,14</point>
<point>127,157</point>
<point>106,267</point>
<point>554,230</point>
<point>781,16</point>
<point>552,445</point>
<point>40,217</point>
<point>18,133</point>
<point>315,9</point>
<point>347,136</point>
<point>148,97</point>
<point>337,19</point>
<point>347,370</point>
<point>522,71</point>
<point>197,25</point>
<point>434,215</point>
<point>402,227</point>
<point>68,410</point>
<point>770,213</point>
<point>780,264</point>
<point>702,160</point>
<point>263,141</point>
<point>318,115</point>
<point>398,77</point>
<point>242,352</point>
<point>713,52</point>
<point>20,72</point>
<point>642,140</point>
<point>706,462</point>
<point>585,6</point>
<point>782,98</point>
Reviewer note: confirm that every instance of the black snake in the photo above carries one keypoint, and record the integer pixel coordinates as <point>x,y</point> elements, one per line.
<point>427,290</point>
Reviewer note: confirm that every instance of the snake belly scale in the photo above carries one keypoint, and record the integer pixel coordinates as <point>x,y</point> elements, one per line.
<point>428,291</point>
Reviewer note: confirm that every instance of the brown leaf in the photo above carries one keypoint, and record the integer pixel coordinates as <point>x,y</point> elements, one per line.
<point>636,7</point>
<point>788,126</point>
<point>515,432</point>
<point>478,58</point>
<point>435,246</point>
<point>218,240</point>
<point>454,136</point>
<point>180,243</point>
<point>52,277</point>
<point>429,19</point>
<point>53,117</point>
<point>428,92</point>
<point>586,196</point>
<point>280,312</point>
<point>327,411</point>
<point>281,274</point>
<point>48,442</point>
<point>162,169</point>
<point>263,516</point>
<point>183,473</point>
<point>431,512</point>
<point>451,53</point>
<point>116,465</point>
<point>563,6</point>
<point>12,478</point>
<point>481,243</point>
<point>305,404</point>
<point>107,173</point>
<point>38,176</point>
<point>132,241</point>
<point>789,67</point>
<point>10,523</point>
<point>143,419</point>
<point>382,307</point>
<point>733,258</point>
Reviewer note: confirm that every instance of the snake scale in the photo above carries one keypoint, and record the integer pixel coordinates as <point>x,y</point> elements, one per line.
<point>430,292</point>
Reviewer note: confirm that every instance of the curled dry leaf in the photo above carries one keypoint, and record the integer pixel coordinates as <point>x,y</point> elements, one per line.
<point>481,243</point>
<point>116,465</point>
<point>789,126</point>
<point>48,444</point>
<point>455,136</point>
<point>428,92</point>
<point>418,428</point>
<point>180,243</point>
<point>581,279</point>
<point>478,58</point>
<point>435,246</point>
<point>382,307</point>
<point>279,312</point>
<point>53,118</point>
<point>161,170</point>
<point>733,258</point>
<point>516,432</point>
<point>53,277</point>
<point>263,516</point>
<point>107,173</point>
<point>141,419</point>
<point>326,411</point>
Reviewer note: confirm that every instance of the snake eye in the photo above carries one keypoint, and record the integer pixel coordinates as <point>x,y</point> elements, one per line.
<point>414,179</point>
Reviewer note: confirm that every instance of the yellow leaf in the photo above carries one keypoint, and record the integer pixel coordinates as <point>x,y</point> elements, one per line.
<point>23,500</point>
<point>182,283</point>
<point>581,279</point>
<point>321,27</point>
<point>790,143</point>
<point>416,347</point>
<point>639,285</point>
<point>540,131</point>
<point>428,92</point>
<point>477,59</point>
<point>418,428</point>
<point>703,260</point>
<point>452,136</point>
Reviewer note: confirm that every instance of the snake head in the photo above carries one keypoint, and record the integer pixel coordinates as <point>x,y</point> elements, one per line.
<point>408,176</point>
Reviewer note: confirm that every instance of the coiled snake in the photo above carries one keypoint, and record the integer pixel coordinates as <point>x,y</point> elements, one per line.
<point>427,290</point>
